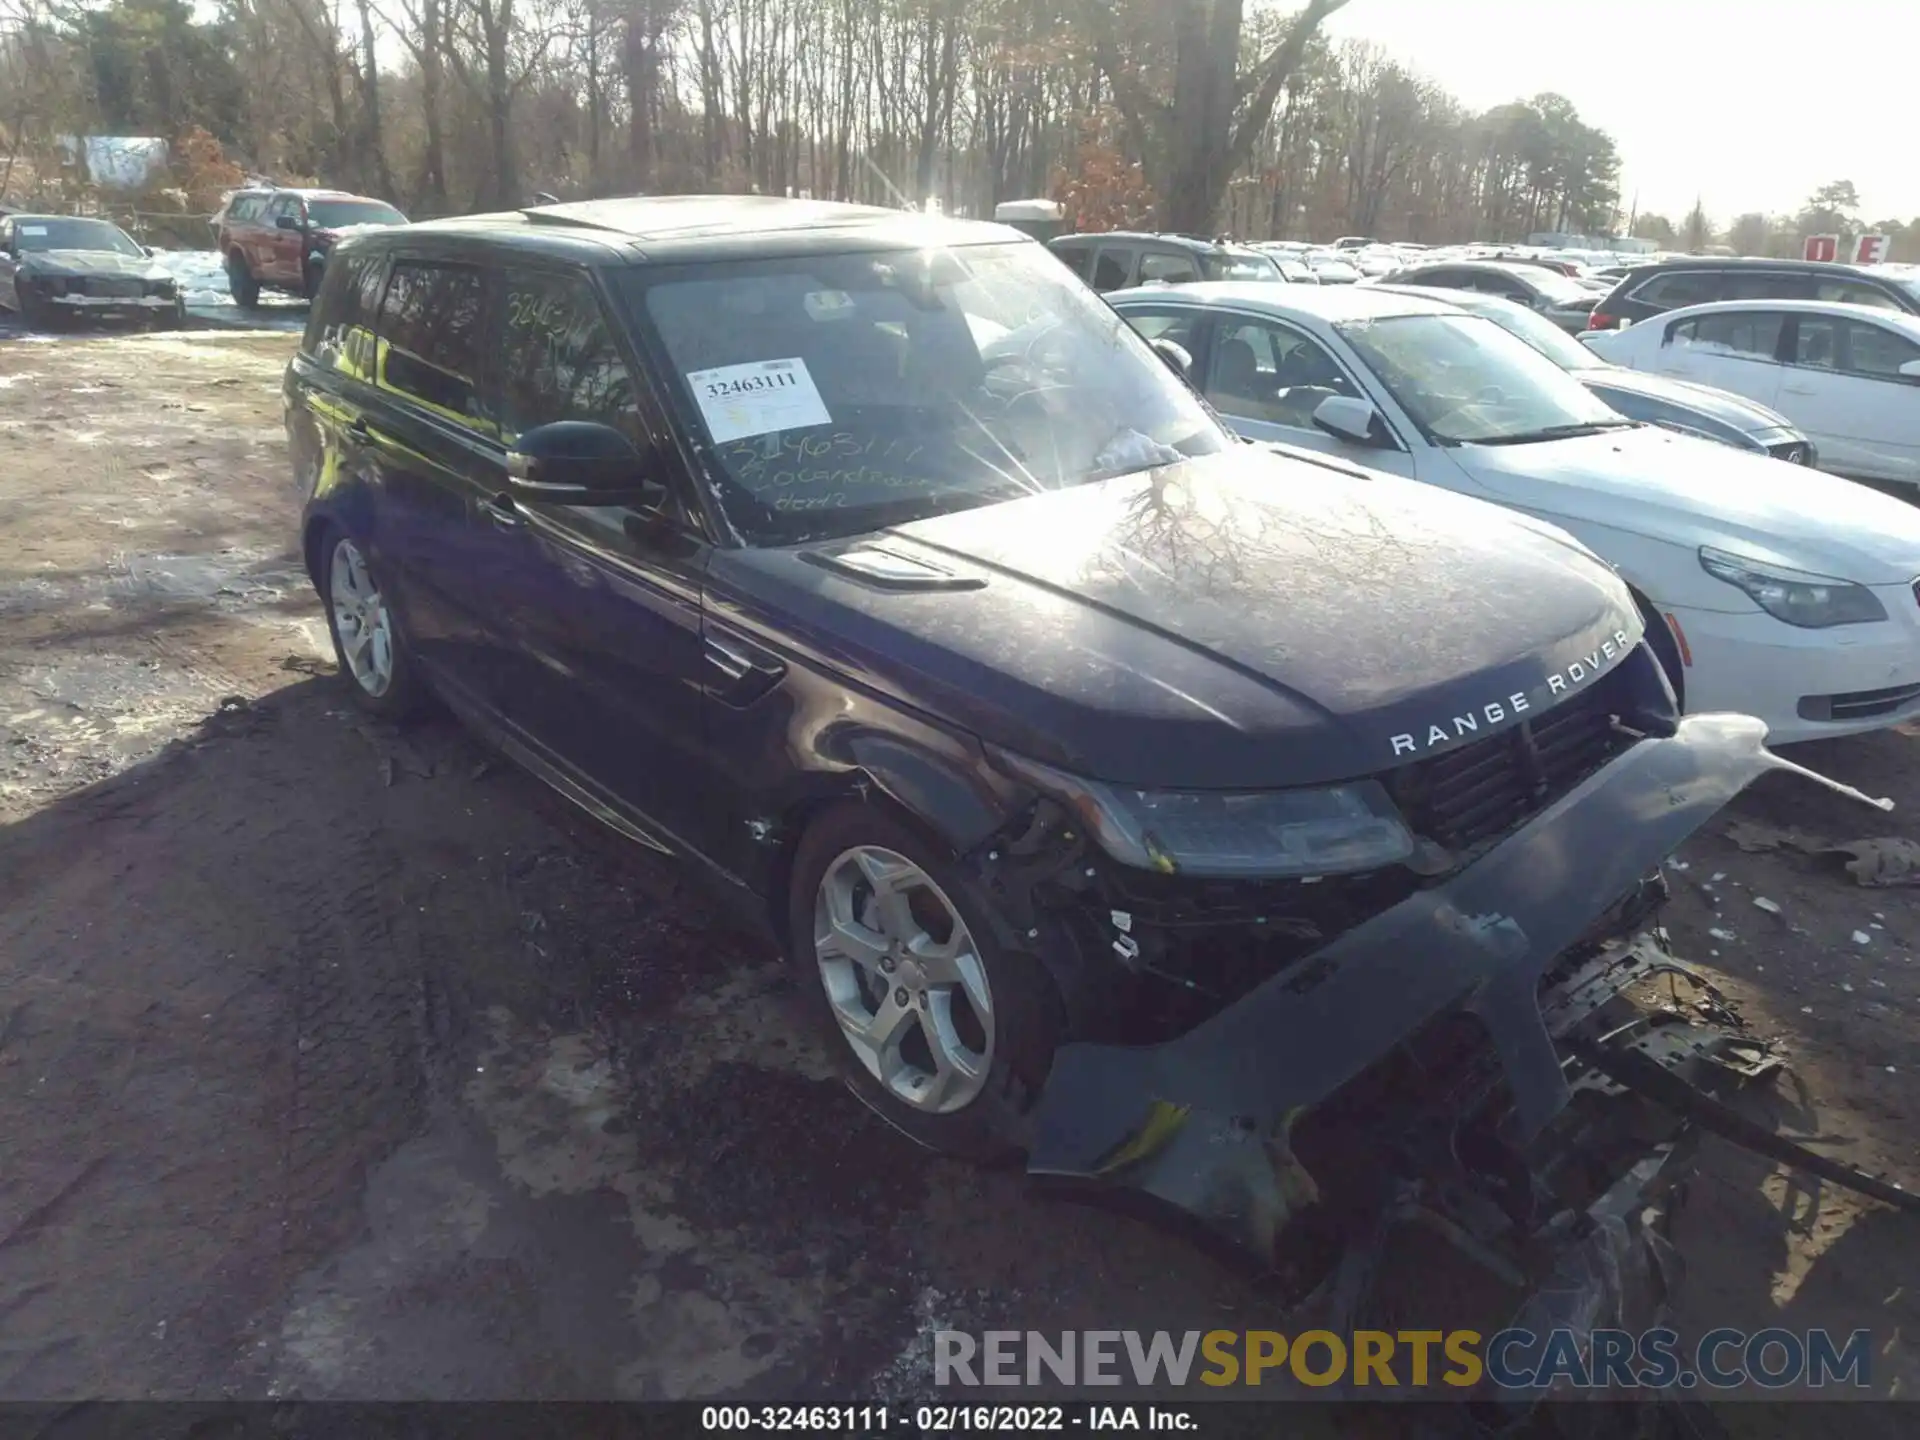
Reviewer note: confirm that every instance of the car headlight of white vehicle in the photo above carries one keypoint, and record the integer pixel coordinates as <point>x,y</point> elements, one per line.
<point>1813,602</point>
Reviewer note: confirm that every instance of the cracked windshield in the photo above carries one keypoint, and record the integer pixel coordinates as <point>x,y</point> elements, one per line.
<point>847,392</point>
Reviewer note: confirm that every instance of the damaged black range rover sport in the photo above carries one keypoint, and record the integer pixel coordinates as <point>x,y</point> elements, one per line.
<point>1127,796</point>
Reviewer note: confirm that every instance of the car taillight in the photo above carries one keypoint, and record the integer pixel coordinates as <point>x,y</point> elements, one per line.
<point>1600,320</point>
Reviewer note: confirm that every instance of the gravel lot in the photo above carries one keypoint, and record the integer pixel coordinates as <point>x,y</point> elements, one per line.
<point>340,1063</point>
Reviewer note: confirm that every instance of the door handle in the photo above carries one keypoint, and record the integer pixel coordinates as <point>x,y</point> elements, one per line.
<point>1798,390</point>
<point>359,430</point>
<point>502,512</point>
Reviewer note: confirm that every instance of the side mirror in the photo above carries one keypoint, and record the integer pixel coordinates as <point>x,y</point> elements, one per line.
<point>577,462</point>
<point>1177,357</point>
<point>287,222</point>
<point>1345,418</point>
<point>147,250</point>
<point>1911,369</point>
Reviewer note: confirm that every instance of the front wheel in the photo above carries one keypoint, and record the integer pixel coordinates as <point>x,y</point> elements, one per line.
<point>366,633</point>
<point>241,282</point>
<point>943,1032</point>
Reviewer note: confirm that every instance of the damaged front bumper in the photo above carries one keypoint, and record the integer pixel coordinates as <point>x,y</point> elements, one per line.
<point>1201,1124</point>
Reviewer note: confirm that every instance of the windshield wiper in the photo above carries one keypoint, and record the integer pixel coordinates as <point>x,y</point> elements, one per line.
<point>1553,432</point>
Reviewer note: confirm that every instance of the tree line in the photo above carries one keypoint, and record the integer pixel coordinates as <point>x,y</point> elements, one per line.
<point>1196,115</point>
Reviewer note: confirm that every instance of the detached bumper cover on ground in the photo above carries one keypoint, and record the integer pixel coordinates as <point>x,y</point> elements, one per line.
<point>1200,1122</point>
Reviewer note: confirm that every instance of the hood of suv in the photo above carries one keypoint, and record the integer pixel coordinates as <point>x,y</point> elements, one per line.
<point>1692,492</point>
<point>1245,620</point>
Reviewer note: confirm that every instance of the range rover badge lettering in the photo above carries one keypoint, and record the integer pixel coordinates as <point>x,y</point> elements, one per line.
<point>1494,713</point>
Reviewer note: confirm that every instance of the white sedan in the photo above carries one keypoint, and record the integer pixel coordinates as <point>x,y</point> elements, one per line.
<point>1848,375</point>
<point>1768,588</point>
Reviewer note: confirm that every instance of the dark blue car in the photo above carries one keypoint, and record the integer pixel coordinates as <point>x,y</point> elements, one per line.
<point>1121,792</point>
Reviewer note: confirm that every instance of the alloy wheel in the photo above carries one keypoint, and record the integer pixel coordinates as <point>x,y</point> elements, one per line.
<point>361,620</point>
<point>904,978</point>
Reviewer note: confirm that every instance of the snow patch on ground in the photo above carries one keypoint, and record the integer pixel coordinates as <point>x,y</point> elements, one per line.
<point>203,279</point>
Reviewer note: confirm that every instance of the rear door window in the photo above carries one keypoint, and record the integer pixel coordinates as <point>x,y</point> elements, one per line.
<point>1856,292</point>
<point>1766,285</point>
<point>340,330</point>
<point>1679,287</point>
<point>1172,269</point>
<point>431,327</point>
<point>1110,271</point>
<point>1747,334</point>
<point>1816,342</point>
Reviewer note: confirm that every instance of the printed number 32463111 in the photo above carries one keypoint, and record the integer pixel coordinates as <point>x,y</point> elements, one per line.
<point>751,385</point>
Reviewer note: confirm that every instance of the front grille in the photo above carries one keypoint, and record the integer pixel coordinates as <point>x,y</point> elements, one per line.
<point>1481,791</point>
<point>1794,452</point>
<point>110,289</point>
<point>1857,704</point>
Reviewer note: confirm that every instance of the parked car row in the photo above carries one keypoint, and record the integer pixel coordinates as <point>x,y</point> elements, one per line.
<point>1121,791</point>
<point>1431,391</point>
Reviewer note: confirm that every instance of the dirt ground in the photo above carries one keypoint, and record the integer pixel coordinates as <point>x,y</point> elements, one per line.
<point>340,1064</point>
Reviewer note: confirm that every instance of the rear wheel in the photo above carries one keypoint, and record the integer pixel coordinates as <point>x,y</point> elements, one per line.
<point>366,633</point>
<point>240,282</point>
<point>943,1032</point>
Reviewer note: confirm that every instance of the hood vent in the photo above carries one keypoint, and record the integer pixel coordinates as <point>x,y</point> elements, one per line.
<point>890,570</point>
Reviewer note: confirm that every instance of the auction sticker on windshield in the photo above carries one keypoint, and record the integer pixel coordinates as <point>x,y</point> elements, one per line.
<point>740,401</point>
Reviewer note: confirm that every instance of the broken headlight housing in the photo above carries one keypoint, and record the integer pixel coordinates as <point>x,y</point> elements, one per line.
<point>1812,602</point>
<point>1326,830</point>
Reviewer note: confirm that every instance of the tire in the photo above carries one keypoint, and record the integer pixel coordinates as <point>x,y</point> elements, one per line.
<point>33,315</point>
<point>310,278</point>
<point>372,653</point>
<point>983,1116</point>
<point>240,282</point>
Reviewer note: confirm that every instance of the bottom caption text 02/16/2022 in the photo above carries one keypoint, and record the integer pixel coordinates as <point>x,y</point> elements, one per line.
<point>943,1419</point>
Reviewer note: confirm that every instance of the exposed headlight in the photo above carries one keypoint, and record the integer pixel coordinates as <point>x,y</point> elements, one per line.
<point>166,285</point>
<point>1331,830</point>
<point>1813,602</point>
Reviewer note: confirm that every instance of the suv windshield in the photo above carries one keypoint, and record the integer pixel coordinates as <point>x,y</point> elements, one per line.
<point>338,214</point>
<point>844,393</point>
<point>1242,265</point>
<point>1465,381</point>
<point>62,233</point>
